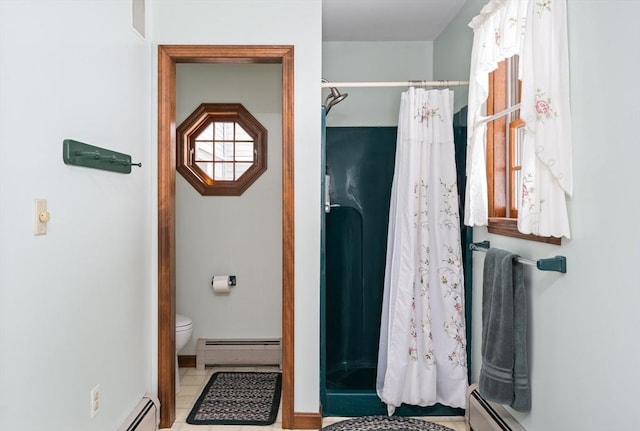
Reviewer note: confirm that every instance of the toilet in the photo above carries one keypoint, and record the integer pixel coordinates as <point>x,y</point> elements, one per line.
<point>184,329</point>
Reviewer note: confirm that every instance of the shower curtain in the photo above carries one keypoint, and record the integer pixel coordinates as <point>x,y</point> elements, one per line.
<point>422,352</point>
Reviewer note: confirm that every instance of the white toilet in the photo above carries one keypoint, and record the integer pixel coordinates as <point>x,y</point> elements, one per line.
<point>184,329</point>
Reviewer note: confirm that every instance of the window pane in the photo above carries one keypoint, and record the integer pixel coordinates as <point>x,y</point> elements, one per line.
<point>224,131</point>
<point>520,141</point>
<point>207,168</point>
<point>223,172</point>
<point>241,168</point>
<point>204,151</point>
<point>244,151</point>
<point>241,134</point>
<point>224,151</point>
<point>518,165</point>
<point>206,134</point>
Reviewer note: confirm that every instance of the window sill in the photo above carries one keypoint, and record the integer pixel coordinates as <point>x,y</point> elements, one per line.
<point>509,227</point>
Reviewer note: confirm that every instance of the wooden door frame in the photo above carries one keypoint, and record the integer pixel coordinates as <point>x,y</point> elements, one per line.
<point>168,57</point>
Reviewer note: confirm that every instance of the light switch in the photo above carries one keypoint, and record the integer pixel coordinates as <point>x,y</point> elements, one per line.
<point>42,217</point>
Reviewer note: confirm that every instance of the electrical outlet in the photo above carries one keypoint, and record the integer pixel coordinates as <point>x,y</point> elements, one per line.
<point>95,401</point>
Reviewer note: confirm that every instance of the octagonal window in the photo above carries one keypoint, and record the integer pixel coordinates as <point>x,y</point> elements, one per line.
<point>221,149</point>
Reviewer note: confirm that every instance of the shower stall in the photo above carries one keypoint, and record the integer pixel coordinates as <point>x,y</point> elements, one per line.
<point>359,165</point>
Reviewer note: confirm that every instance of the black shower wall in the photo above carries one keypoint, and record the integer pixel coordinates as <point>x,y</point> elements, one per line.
<point>360,163</point>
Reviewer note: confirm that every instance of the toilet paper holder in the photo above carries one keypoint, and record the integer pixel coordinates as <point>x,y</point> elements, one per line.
<point>232,280</point>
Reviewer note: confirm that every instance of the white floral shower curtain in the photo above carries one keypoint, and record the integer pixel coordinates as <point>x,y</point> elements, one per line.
<point>422,354</point>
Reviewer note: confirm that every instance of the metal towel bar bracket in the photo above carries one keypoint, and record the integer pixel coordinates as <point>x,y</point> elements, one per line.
<point>557,263</point>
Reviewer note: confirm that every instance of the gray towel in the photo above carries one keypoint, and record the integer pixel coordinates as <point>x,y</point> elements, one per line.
<point>504,375</point>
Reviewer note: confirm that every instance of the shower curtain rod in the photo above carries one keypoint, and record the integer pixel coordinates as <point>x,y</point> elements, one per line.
<point>395,84</point>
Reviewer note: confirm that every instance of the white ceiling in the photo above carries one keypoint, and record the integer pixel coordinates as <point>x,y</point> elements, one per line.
<point>386,20</point>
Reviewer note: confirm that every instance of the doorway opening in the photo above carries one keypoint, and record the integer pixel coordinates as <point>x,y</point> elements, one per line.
<point>168,57</point>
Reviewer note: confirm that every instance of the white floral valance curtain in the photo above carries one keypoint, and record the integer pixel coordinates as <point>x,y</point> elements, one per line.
<point>536,30</point>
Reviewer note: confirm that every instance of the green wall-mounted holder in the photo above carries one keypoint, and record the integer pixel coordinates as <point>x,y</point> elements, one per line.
<point>81,154</point>
<point>557,264</point>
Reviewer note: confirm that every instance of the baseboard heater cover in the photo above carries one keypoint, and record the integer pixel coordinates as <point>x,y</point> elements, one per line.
<point>145,416</point>
<point>247,351</point>
<point>483,415</point>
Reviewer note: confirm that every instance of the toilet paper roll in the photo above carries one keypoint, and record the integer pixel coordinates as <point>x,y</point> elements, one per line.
<point>220,284</point>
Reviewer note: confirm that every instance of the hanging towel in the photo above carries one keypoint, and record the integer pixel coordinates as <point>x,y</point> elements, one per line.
<point>504,375</point>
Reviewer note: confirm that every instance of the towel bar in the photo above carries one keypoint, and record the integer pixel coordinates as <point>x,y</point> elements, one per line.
<point>557,263</point>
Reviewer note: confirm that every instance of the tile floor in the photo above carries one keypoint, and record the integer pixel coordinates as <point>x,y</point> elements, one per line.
<point>192,382</point>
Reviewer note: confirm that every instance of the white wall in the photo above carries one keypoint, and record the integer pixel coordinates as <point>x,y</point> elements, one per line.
<point>452,51</point>
<point>584,346</point>
<point>373,61</point>
<point>75,305</point>
<point>239,235</point>
<point>276,22</point>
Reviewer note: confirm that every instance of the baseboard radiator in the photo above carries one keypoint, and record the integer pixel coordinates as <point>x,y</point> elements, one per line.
<point>254,351</point>
<point>145,416</point>
<point>483,415</point>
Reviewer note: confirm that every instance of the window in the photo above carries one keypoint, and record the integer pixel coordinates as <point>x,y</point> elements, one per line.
<point>504,140</point>
<point>221,149</point>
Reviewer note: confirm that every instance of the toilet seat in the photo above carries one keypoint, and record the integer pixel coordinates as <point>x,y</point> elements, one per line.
<point>183,323</point>
<point>184,330</point>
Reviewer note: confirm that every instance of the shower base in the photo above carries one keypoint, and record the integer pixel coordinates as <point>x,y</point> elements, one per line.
<point>356,378</point>
<point>350,391</point>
